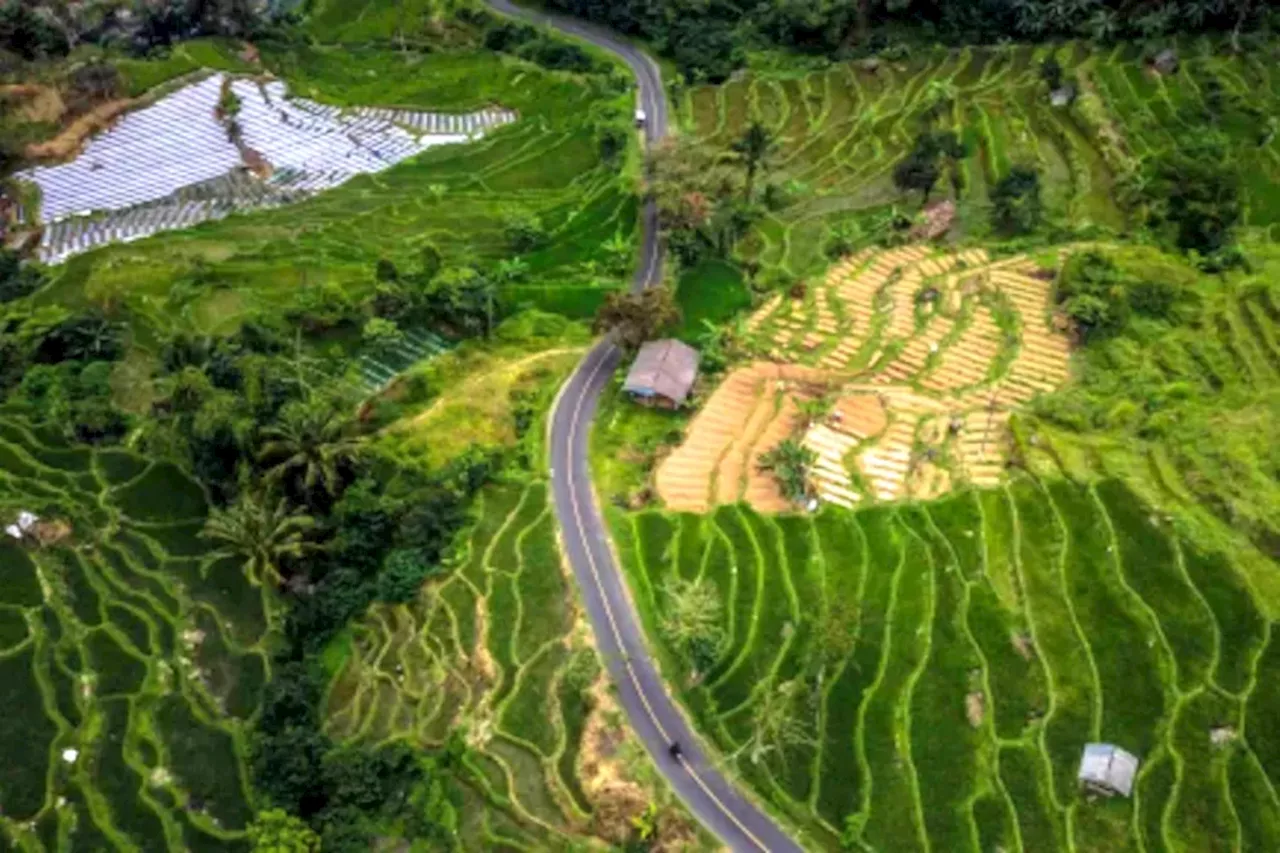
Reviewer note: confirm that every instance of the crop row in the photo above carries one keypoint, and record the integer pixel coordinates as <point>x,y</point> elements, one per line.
<point>953,658</point>
<point>492,649</point>
<point>842,129</point>
<point>129,662</point>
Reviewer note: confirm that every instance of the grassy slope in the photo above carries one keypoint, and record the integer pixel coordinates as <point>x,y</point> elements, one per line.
<point>1130,601</point>
<point>144,652</point>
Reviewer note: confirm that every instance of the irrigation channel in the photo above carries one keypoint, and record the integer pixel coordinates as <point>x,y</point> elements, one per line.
<point>652,712</point>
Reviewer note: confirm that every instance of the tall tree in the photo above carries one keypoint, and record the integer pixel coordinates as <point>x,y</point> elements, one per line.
<point>636,317</point>
<point>262,535</point>
<point>754,148</point>
<point>1015,201</point>
<point>311,448</point>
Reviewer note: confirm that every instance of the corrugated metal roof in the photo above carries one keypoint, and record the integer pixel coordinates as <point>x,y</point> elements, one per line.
<point>1109,767</point>
<point>666,367</point>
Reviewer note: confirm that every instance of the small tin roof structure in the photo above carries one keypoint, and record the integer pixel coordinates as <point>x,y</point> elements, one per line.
<point>664,368</point>
<point>25,524</point>
<point>1108,769</point>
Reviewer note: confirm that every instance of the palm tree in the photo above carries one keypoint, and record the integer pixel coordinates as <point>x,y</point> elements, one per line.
<point>754,147</point>
<point>312,444</point>
<point>1104,25</point>
<point>511,270</point>
<point>261,535</point>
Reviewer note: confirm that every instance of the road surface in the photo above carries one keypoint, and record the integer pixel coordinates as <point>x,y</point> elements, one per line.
<point>653,714</point>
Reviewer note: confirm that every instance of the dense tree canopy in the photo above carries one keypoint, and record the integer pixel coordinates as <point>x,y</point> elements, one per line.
<point>36,28</point>
<point>637,317</point>
<point>1016,207</point>
<point>709,38</point>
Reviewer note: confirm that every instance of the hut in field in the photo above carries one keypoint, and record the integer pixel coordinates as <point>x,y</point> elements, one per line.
<point>662,374</point>
<point>1166,61</point>
<point>1107,769</point>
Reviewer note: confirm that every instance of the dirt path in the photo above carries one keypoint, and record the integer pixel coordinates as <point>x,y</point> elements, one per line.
<point>479,379</point>
<point>72,138</point>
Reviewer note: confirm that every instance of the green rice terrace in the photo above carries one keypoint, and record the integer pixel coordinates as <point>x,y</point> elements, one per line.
<point>914,675</point>
<point>131,657</point>
<point>925,676</point>
<point>840,132</point>
<point>499,645</point>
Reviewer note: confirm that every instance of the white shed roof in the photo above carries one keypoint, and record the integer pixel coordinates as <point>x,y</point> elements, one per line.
<point>1106,766</point>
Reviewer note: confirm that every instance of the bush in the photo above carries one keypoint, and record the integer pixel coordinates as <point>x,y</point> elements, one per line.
<point>1051,73</point>
<point>1195,192</point>
<point>524,231</point>
<point>25,32</point>
<point>920,169</point>
<point>508,35</point>
<point>790,462</point>
<point>87,336</point>
<point>841,240</point>
<point>98,422</point>
<point>557,55</point>
<point>91,84</point>
<point>381,337</point>
<point>1090,292</point>
<point>325,306</point>
<point>277,831</point>
<point>1015,201</point>
<point>402,576</point>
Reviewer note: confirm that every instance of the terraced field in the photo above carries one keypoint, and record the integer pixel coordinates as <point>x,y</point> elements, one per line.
<point>923,356</point>
<point>942,664</point>
<point>498,649</point>
<point>456,198</point>
<point>842,130</point>
<point>129,659</point>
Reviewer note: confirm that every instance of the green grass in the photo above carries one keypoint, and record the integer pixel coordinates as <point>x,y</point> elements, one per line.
<point>894,808</point>
<point>25,734</point>
<point>142,75</point>
<point>1051,602</point>
<point>945,747</point>
<point>162,494</point>
<point>204,762</point>
<point>711,292</point>
<point>1072,716</point>
<point>1152,568</point>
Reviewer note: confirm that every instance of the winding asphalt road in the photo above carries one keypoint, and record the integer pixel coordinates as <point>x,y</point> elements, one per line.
<point>653,714</point>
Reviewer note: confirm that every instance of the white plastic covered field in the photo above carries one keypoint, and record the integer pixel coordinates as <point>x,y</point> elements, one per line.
<point>172,164</point>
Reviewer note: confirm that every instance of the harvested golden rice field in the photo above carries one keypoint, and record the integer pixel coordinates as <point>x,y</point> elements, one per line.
<point>924,356</point>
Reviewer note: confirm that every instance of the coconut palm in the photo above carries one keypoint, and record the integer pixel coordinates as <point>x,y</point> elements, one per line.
<point>313,446</point>
<point>262,535</point>
<point>1104,25</point>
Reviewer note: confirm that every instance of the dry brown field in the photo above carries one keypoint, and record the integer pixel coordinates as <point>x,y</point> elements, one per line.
<point>924,355</point>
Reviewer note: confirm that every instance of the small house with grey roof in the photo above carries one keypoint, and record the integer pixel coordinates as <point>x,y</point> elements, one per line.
<point>662,374</point>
